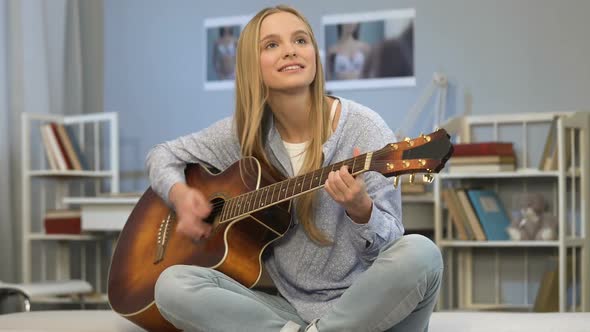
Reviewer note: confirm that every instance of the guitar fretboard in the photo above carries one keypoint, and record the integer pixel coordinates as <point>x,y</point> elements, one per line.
<point>287,189</point>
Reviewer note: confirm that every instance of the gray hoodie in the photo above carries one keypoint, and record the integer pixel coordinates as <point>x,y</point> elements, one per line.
<point>309,276</point>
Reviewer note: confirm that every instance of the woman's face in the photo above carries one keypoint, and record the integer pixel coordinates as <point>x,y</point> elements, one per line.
<point>287,56</point>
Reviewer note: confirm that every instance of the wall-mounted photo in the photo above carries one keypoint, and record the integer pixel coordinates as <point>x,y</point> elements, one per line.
<point>369,50</point>
<point>221,36</point>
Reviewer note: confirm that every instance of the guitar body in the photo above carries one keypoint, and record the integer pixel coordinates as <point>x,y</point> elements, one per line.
<point>149,243</point>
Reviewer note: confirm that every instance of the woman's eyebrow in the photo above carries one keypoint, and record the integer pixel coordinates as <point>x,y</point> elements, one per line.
<point>272,35</point>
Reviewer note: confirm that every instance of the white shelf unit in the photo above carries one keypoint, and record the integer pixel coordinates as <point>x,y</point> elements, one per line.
<point>49,256</point>
<point>505,275</point>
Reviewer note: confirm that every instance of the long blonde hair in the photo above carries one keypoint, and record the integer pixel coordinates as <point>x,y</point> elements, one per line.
<point>251,105</point>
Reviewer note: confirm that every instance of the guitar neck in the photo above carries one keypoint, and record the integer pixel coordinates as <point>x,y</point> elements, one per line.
<point>290,188</point>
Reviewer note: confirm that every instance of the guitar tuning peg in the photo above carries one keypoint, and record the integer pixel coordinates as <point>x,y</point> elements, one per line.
<point>412,178</point>
<point>407,139</point>
<point>395,181</point>
<point>428,178</point>
<point>426,138</point>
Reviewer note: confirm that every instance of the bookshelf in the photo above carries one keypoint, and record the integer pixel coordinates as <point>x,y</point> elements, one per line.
<point>506,275</point>
<point>47,257</point>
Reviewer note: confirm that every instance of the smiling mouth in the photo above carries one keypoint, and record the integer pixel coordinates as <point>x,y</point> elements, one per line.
<point>291,68</point>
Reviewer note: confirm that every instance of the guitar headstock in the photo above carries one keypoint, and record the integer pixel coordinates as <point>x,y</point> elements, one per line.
<point>424,154</point>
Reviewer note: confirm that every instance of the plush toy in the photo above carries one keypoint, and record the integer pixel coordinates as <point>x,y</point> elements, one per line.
<point>531,222</point>
<point>548,229</point>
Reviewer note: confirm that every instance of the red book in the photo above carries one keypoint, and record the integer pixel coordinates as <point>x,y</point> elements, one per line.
<point>62,222</point>
<point>483,149</point>
<point>63,226</point>
<point>61,145</point>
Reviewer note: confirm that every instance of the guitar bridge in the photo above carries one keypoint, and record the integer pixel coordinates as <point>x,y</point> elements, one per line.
<point>163,235</point>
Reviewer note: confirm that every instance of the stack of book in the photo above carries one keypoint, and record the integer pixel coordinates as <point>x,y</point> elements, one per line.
<point>476,214</point>
<point>61,149</point>
<point>482,157</point>
<point>62,221</point>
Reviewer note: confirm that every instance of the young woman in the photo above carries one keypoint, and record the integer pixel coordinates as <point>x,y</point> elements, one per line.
<point>344,265</point>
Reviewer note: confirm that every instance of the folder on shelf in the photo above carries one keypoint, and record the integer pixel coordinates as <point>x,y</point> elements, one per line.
<point>491,213</point>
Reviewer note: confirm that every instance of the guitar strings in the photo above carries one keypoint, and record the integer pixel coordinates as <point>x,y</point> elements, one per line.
<point>344,163</point>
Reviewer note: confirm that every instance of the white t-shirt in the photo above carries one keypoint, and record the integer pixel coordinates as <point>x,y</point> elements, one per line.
<point>297,151</point>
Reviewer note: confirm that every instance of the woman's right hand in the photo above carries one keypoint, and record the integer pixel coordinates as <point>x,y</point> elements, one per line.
<point>192,208</point>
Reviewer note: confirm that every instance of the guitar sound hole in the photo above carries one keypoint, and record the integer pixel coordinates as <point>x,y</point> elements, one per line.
<point>217,204</point>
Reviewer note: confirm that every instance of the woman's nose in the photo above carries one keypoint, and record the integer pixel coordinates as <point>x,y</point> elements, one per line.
<point>290,51</point>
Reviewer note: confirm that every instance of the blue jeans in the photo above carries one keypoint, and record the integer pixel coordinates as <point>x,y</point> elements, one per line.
<point>397,293</point>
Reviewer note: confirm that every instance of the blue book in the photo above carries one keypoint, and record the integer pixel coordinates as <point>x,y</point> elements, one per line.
<point>491,213</point>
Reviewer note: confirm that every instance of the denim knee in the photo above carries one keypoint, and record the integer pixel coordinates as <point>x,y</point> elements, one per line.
<point>417,254</point>
<point>167,285</point>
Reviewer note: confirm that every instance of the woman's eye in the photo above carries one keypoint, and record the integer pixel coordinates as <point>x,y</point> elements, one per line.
<point>301,41</point>
<point>271,45</point>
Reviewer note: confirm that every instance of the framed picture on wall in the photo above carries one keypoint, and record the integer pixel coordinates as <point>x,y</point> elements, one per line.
<point>369,50</point>
<point>221,38</point>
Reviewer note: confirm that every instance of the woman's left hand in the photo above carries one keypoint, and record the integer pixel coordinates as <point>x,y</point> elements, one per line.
<point>350,192</point>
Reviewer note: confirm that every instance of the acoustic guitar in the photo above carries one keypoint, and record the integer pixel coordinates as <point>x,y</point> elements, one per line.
<point>250,211</point>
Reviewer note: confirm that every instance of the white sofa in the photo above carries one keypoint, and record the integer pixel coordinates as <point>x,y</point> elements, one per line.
<point>454,321</point>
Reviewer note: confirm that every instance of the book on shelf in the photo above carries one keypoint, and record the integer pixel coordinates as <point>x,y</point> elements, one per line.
<point>549,158</point>
<point>54,151</point>
<point>62,221</point>
<point>49,154</point>
<point>417,187</point>
<point>470,215</point>
<point>474,160</point>
<point>550,147</point>
<point>60,145</point>
<point>77,149</point>
<point>61,149</point>
<point>547,299</point>
<point>455,214</point>
<point>475,168</point>
<point>68,146</point>
<point>483,149</point>
<point>491,213</point>
<point>483,157</point>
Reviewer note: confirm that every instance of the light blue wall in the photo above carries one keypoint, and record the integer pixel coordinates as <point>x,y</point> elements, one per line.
<point>510,56</point>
